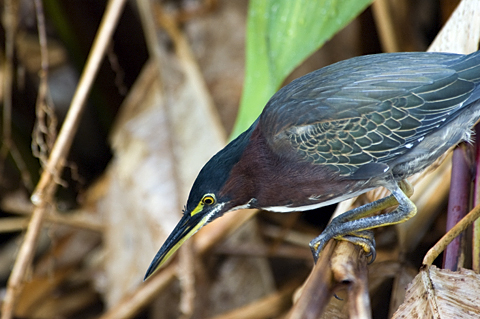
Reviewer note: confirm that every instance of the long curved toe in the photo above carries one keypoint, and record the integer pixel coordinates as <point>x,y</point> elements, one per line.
<point>366,241</point>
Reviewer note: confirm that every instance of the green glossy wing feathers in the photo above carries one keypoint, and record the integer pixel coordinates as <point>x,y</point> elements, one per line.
<point>351,114</point>
<point>350,143</point>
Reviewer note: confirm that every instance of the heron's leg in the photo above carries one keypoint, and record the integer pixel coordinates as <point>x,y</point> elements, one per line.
<point>351,225</point>
<point>376,206</point>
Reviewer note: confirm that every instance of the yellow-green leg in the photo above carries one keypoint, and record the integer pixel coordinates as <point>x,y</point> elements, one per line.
<point>355,225</point>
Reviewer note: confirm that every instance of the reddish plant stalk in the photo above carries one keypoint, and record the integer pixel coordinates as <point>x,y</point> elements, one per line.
<point>476,201</point>
<point>458,203</point>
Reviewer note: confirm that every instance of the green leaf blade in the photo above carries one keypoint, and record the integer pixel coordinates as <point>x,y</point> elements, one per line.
<point>280,35</point>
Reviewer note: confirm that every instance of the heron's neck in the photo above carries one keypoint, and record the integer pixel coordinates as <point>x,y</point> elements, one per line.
<point>243,182</point>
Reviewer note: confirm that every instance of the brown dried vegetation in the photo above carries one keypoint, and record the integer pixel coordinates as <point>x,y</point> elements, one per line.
<point>162,103</point>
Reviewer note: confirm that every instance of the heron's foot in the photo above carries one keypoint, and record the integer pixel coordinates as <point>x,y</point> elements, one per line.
<point>364,239</point>
<point>317,245</point>
<point>356,224</point>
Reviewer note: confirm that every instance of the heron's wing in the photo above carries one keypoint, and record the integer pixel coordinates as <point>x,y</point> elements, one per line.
<point>351,114</point>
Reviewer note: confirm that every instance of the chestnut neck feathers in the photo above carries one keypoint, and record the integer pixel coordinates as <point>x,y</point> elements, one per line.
<point>265,179</point>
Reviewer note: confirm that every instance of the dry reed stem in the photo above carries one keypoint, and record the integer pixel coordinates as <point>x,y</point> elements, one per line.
<point>137,299</point>
<point>185,265</point>
<point>186,278</point>
<point>385,26</point>
<point>211,233</point>
<point>318,288</point>
<point>10,24</point>
<point>349,266</point>
<point>8,146</point>
<point>44,131</point>
<point>476,201</point>
<point>13,224</point>
<point>458,204</point>
<point>45,189</point>
<point>206,238</point>
<point>152,17</point>
<point>461,34</point>
<point>288,222</point>
<point>204,7</point>
<point>18,205</point>
<point>65,137</point>
<point>266,307</point>
<point>433,253</point>
<point>129,305</point>
<point>428,195</point>
<point>23,261</point>
<point>187,59</point>
<point>263,250</point>
<point>214,232</point>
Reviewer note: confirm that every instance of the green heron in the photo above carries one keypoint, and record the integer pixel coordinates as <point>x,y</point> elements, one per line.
<point>336,133</point>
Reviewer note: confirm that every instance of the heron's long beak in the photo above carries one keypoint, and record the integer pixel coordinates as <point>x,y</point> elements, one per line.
<point>186,227</point>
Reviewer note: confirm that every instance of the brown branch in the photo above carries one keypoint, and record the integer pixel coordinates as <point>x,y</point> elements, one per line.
<point>131,303</point>
<point>267,307</point>
<point>44,132</point>
<point>385,25</point>
<point>12,224</point>
<point>440,246</point>
<point>204,240</point>
<point>458,204</point>
<point>318,289</point>
<point>349,266</point>
<point>17,203</point>
<point>44,192</point>
<point>344,265</point>
<point>62,145</point>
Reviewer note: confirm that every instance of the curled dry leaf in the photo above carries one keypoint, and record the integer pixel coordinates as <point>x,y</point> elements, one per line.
<point>439,293</point>
<point>167,129</point>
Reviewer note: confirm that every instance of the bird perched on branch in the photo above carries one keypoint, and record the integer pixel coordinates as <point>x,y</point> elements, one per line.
<point>336,133</point>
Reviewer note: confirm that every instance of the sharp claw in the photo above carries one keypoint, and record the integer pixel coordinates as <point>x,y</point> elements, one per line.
<point>316,246</point>
<point>372,259</point>
<point>364,239</point>
<point>369,243</point>
<point>372,254</point>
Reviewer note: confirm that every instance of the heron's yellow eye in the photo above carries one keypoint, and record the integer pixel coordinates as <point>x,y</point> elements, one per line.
<point>208,200</point>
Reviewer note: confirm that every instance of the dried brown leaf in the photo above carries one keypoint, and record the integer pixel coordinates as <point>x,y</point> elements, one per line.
<point>167,130</point>
<point>440,293</point>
